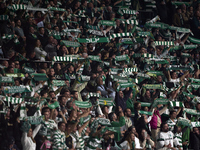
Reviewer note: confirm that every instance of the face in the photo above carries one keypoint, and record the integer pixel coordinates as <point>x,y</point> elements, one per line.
<point>128,112</point>
<point>5,63</point>
<point>133,130</point>
<point>76,95</point>
<point>32,30</point>
<point>198,106</point>
<point>11,70</point>
<point>51,72</point>
<point>132,137</point>
<point>30,133</point>
<point>46,115</point>
<point>165,128</point>
<point>148,94</point>
<point>121,94</point>
<point>62,127</point>
<point>159,79</point>
<point>18,23</point>
<point>143,133</point>
<point>71,68</point>
<point>52,94</point>
<point>174,75</point>
<point>106,110</point>
<point>174,115</point>
<point>64,49</point>
<point>42,31</point>
<point>196,130</point>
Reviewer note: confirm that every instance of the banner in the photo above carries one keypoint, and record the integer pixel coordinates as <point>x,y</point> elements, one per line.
<point>70,43</point>
<point>28,70</point>
<point>90,94</point>
<point>153,86</point>
<point>179,29</point>
<point>56,9</point>
<point>190,46</point>
<point>13,100</point>
<point>191,111</point>
<point>131,70</point>
<point>54,105</point>
<point>143,104</point>
<point>183,122</point>
<point>196,100</point>
<point>194,40</point>
<point>95,32</point>
<point>58,82</point>
<point>146,113</point>
<point>15,75</point>
<point>194,80</point>
<point>85,104</point>
<point>188,94</point>
<point>4,17</point>
<point>195,124</point>
<point>107,23</point>
<point>155,73</point>
<point>16,89</point>
<point>118,35</point>
<point>94,40</point>
<point>6,79</point>
<point>34,120</point>
<point>165,43</point>
<point>125,85</point>
<point>122,58</point>
<point>160,101</point>
<point>39,76</point>
<point>176,104</point>
<point>105,101</point>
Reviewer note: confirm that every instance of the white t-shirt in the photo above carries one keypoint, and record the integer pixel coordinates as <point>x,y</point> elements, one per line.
<point>164,138</point>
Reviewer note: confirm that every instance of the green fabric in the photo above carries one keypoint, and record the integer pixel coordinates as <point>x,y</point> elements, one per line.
<point>146,112</point>
<point>94,40</point>
<point>34,120</point>
<point>107,23</point>
<point>160,101</point>
<point>105,101</point>
<point>54,105</point>
<point>56,9</point>
<point>14,75</point>
<point>85,104</point>
<point>153,86</point>
<point>70,43</point>
<point>6,79</point>
<point>194,40</point>
<point>118,124</point>
<point>39,76</point>
<point>58,82</point>
<point>16,89</point>
<point>13,100</point>
<point>130,104</point>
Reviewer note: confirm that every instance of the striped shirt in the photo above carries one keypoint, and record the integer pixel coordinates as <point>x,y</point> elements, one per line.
<point>171,124</point>
<point>59,140</point>
<point>50,125</point>
<point>78,140</point>
<point>178,140</point>
<point>93,144</point>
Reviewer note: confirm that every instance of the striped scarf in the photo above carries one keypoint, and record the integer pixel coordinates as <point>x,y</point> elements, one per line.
<point>118,35</point>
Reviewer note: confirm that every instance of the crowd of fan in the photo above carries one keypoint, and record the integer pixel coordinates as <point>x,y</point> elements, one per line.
<point>61,92</point>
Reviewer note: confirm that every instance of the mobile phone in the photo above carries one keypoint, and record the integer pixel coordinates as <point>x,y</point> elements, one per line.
<point>145,134</point>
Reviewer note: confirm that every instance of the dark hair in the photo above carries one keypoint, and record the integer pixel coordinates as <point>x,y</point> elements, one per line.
<point>162,125</point>
<point>60,123</point>
<point>43,92</point>
<point>44,109</point>
<point>171,112</point>
<point>110,116</point>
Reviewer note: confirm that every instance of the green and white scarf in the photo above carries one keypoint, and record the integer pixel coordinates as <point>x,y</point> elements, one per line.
<point>132,22</point>
<point>122,58</point>
<point>94,40</point>
<point>107,23</point>
<point>191,111</point>
<point>13,100</point>
<point>128,11</point>
<point>118,35</point>
<point>153,86</point>
<point>194,80</point>
<point>58,82</point>
<point>85,104</point>
<point>70,43</point>
<point>115,70</point>
<point>4,17</point>
<point>155,73</point>
<point>56,9</point>
<point>39,76</point>
<point>143,104</point>
<point>125,85</point>
<point>17,89</point>
<point>196,100</point>
<point>61,58</point>
<point>90,94</point>
<point>176,104</point>
<point>160,101</point>
<point>6,80</point>
<point>92,27</point>
<point>106,101</point>
<point>195,124</point>
<point>34,120</point>
<point>146,113</point>
<point>131,69</point>
<point>15,75</point>
<point>194,40</point>
<point>190,46</point>
<point>188,94</point>
<point>95,32</point>
<point>183,122</point>
<point>165,43</point>
<point>54,105</point>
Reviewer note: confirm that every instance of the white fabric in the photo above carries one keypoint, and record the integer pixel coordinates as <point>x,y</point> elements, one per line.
<point>27,142</point>
<point>167,139</point>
